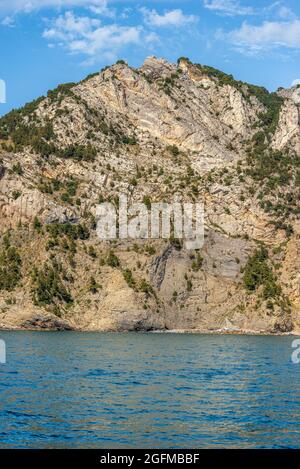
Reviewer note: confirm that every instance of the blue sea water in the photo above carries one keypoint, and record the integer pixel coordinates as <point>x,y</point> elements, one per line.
<point>97,390</point>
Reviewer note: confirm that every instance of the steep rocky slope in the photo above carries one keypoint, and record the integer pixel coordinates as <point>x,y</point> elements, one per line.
<point>151,133</point>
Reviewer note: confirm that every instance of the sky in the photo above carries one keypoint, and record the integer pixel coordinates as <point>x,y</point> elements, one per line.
<point>47,42</point>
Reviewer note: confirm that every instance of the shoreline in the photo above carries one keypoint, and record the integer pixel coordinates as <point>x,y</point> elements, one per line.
<point>239,332</point>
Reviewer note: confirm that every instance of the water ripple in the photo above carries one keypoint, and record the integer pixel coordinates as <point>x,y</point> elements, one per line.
<point>93,390</point>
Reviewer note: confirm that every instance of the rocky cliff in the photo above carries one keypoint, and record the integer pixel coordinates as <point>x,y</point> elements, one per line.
<point>151,133</point>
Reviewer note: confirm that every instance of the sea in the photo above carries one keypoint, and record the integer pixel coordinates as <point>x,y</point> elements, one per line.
<point>148,390</point>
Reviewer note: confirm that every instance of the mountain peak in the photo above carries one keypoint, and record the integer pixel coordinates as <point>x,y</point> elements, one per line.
<point>292,93</point>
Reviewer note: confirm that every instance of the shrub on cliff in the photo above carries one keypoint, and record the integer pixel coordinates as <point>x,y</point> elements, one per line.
<point>48,286</point>
<point>79,152</point>
<point>10,268</point>
<point>112,260</point>
<point>127,274</point>
<point>258,273</point>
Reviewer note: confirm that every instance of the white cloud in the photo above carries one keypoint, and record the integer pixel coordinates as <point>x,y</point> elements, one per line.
<point>9,7</point>
<point>265,36</point>
<point>296,82</point>
<point>285,13</point>
<point>69,26</point>
<point>276,9</point>
<point>87,36</point>
<point>100,7</point>
<point>280,10</point>
<point>8,21</point>
<point>228,7</point>
<point>152,38</point>
<point>169,18</point>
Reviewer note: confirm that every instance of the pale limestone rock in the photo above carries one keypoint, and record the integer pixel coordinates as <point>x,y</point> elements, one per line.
<point>288,129</point>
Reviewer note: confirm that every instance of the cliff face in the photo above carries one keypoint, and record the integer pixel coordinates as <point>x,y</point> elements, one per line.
<point>151,133</point>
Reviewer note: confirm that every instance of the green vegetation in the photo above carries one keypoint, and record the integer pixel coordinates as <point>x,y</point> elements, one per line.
<point>25,129</point>
<point>49,186</point>
<point>88,77</point>
<point>276,178</point>
<point>174,150</point>
<point>112,260</point>
<point>147,202</point>
<point>176,242</point>
<point>16,194</point>
<point>129,140</point>
<point>37,225</point>
<point>94,286</point>
<point>127,274</point>
<point>167,83</point>
<point>78,152</point>
<point>10,266</point>
<point>150,250</point>
<point>223,78</point>
<point>17,169</point>
<point>133,182</point>
<point>48,288</point>
<point>71,187</point>
<point>145,287</point>
<point>69,230</point>
<point>61,92</point>
<point>197,263</point>
<point>258,273</point>
<point>28,135</point>
<point>92,252</point>
<point>184,59</point>
<point>11,121</point>
<point>72,232</point>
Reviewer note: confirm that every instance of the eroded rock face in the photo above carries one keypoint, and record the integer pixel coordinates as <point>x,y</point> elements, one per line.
<point>159,132</point>
<point>288,129</point>
<point>198,117</point>
<point>42,322</point>
<point>292,94</point>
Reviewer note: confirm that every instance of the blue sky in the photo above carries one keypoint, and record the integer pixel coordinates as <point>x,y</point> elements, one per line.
<point>47,42</point>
